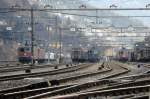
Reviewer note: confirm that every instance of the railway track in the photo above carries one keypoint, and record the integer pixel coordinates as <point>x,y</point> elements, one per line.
<point>45,78</point>
<point>52,72</point>
<point>48,83</point>
<point>71,89</point>
<point>21,67</point>
<point>104,93</point>
<point>113,88</point>
<point>28,87</point>
<point>110,72</point>
<point>9,94</point>
<point>77,70</point>
<point>141,97</point>
<point>123,84</point>
<point>4,62</point>
<point>121,97</point>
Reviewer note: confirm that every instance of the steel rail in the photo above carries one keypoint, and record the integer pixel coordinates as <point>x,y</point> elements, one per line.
<point>111,92</point>
<point>53,72</point>
<point>140,97</point>
<point>29,92</point>
<point>12,68</point>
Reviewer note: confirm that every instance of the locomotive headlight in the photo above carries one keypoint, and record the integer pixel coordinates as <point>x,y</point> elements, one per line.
<point>25,54</point>
<point>146,44</point>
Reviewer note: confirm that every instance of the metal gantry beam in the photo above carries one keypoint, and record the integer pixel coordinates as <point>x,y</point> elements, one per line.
<point>83,15</point>
<point>73,9</point>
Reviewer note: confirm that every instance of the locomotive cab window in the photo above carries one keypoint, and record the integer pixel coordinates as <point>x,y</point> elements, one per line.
<point>28,49</point>
<point>21,49</point>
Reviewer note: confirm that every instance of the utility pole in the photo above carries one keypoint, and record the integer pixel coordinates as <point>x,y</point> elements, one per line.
<point>122,36</point>
<point>32,35</point>
<point>60,43</point>
<point>58,30</point>
<point>56,27</point>
<point>96,17</point>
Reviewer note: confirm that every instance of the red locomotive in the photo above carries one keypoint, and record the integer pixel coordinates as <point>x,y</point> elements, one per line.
<point>25,54</point>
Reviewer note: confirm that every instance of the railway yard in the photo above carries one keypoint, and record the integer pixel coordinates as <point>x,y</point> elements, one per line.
<point>104,80</point>
<point>74,49</point>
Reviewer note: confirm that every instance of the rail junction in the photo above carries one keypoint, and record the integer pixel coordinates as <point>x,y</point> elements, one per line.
<point>74,49</point>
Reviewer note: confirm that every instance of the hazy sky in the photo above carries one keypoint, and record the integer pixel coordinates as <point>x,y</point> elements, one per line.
<point>120,3</point>
<point>126,4</point>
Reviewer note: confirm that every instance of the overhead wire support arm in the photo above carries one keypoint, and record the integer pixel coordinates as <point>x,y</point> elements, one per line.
<point>86,9</point>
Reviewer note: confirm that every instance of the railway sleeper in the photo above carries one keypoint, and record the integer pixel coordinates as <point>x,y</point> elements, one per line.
<point>124,93</point>
<point>72,91</point>
<point>140,97</point>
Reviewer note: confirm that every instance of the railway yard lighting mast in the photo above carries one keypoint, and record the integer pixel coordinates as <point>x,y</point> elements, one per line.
<point>49,29</point>
<point>58,27</point>
<point>32,34</point>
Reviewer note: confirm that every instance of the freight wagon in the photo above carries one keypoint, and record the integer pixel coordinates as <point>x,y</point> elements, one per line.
<point>82,55</point>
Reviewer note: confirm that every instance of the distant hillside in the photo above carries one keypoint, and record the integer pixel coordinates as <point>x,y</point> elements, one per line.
<point>10,3</point>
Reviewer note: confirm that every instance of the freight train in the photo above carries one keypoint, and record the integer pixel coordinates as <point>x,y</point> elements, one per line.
<point>82,55</point>
<point>141,52</point>
<point>125,55</point>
